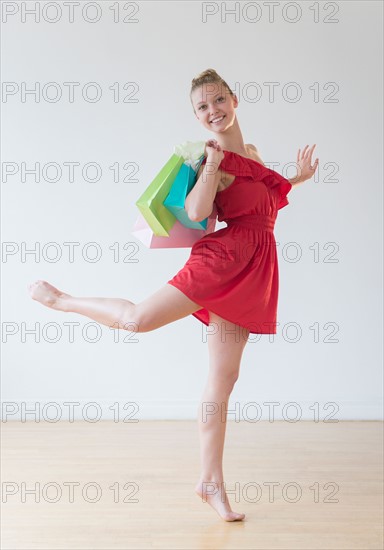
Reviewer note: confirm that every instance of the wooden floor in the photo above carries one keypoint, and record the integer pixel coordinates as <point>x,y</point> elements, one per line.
<point>336,469</point>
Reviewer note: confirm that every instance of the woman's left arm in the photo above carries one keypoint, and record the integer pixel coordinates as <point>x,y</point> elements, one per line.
<point>305,170</point>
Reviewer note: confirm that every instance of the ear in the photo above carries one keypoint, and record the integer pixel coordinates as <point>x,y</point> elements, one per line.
<point>235,100</point>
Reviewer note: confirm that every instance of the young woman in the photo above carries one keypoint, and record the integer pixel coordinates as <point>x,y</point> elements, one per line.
<point>230,280</point>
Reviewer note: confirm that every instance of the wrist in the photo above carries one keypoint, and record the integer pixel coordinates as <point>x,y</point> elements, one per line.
<point>214,160</point>
<point>295,181</point>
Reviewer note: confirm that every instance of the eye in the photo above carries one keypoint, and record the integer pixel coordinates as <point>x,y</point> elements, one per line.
<point>219,98</point>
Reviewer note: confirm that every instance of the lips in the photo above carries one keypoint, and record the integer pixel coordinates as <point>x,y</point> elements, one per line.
<point>217,120</point>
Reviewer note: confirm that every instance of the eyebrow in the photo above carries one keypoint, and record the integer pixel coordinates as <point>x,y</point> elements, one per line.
<point>218,93</point>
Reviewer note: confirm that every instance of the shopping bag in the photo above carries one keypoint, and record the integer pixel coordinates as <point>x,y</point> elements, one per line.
<point>191,151</point>
<point>179,235</point>
<point>175,200</point>
<point>150,203</point>
<point>193,155</point>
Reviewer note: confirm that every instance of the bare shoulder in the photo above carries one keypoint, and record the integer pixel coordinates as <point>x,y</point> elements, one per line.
<point>255,153</point>
<point>251,146</point>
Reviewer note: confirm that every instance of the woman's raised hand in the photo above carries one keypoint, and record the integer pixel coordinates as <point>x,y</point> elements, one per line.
<point>213,151</point>
<point>305,170</point>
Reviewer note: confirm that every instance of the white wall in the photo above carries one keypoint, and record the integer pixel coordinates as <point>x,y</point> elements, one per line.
<point>338,212</point>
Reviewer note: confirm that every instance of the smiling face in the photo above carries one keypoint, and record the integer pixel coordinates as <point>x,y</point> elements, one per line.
<point>214,106</point>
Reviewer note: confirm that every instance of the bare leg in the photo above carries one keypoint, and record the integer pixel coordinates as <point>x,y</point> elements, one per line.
<point>165,306</point>
<point>225,349</point>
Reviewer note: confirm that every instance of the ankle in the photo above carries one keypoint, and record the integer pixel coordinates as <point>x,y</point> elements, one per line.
<point>211,478</point>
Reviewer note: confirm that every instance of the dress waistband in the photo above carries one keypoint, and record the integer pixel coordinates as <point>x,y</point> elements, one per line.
<point>254,221</point>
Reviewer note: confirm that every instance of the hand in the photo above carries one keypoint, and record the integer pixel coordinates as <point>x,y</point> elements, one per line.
<point>213,151</point>
<point>304,165</point>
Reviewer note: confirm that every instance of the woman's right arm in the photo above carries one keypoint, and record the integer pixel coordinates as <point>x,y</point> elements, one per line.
<point>199,201</point>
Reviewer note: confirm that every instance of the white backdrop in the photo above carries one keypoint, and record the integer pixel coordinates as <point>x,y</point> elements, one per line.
<point>326,72</point>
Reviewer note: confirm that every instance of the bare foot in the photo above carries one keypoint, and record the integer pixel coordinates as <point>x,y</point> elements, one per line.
<point>48,295</point>
<point>215,494</point>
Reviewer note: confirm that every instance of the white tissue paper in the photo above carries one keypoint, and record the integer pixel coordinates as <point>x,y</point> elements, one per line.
<point>191,152</point>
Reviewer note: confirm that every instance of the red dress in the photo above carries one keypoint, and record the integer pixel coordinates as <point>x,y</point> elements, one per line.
<point>233,271</point>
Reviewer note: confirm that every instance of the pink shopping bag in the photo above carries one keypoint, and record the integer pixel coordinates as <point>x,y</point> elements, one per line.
<point>179,235</point>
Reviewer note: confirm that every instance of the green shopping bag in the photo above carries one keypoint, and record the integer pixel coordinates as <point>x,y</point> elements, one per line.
<point>151,202</point>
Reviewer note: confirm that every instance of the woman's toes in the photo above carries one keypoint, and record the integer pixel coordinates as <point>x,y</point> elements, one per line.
<point>238,517</point>
<point>219,502</point>
<point>233,516</point>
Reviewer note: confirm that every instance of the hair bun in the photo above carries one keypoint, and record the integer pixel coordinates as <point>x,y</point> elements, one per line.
<point>209,76</point>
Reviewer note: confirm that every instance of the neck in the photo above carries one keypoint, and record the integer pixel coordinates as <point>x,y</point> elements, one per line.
<point>232,139</point>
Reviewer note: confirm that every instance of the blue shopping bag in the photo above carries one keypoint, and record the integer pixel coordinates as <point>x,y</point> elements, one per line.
<point>182,185</point>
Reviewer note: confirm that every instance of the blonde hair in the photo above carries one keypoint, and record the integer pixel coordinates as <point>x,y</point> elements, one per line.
<point>209,76</point>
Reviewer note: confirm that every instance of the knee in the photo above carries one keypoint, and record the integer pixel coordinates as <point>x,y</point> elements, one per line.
<point>232,381</point>
<point>225,382</point>
<point>227,387</point>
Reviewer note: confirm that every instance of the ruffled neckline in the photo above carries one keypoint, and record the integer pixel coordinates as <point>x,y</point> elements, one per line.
<point>237,164</point>
<point>245,158</point>
<point>262,169</point>
<point>241,166</point>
